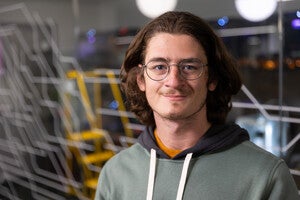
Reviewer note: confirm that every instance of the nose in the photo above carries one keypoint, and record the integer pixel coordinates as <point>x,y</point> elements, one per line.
<point>174,78</point>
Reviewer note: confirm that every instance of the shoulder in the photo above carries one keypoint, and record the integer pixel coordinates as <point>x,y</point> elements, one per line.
<point>135,150</point>
<point>261,157</point>
<point>124,166</point>
<point>247,155</point>
<point>129,156</point>
<point>263,165</point>
<point>260,164</point>
<point>250,150</point>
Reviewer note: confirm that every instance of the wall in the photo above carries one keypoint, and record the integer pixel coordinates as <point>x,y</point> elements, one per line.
<point>108,15</point>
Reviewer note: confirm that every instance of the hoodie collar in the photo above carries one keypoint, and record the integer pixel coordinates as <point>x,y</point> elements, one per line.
<point>217,138</point>
<point>152,171</point>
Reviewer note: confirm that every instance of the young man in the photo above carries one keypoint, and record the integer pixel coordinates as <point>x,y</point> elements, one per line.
<point>178,79</point>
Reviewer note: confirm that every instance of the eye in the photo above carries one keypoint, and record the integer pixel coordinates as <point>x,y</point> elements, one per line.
<point>188,67</point>
<point>158,66</point>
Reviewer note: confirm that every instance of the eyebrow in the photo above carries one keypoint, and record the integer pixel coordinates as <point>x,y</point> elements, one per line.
<point>190,60</point>
<point>158,59</point>
<point>180,61</point>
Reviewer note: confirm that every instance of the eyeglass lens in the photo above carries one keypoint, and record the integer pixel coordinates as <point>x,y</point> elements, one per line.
<point>159,70</point>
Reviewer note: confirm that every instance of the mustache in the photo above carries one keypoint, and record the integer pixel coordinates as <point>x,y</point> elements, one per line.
<point>174,92</point>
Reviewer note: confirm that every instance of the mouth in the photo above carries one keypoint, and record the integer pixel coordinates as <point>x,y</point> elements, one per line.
<point>175,97</point>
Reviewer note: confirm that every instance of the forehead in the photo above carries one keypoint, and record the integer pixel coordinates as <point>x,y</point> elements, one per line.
<point>174,47</point>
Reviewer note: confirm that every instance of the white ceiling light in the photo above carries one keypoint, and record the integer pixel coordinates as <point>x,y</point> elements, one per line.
<point>154,8</point>
<point>256,10</point>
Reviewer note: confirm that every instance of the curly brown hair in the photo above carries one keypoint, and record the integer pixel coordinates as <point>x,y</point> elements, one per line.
<point>222,67</point>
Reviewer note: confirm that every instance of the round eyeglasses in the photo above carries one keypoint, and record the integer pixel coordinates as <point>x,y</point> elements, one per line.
<point>158,70</point>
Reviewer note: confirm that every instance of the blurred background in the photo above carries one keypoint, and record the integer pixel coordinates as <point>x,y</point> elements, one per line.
<point>62,114</point>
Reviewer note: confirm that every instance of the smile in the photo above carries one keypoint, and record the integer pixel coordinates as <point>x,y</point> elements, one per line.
<point>175,97</point>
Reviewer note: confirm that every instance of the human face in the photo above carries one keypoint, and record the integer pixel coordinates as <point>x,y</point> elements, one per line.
<point>174,97</point>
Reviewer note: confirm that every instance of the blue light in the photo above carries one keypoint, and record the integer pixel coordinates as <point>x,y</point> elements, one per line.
<point>298,13</point>
<point>91,40</point>
<point>295,23</point>
<point>223,21</point>
<point>91,33</point>
<point>114,105</point>
<point>91,36</point>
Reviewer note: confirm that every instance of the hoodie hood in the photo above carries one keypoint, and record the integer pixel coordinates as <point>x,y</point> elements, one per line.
<point>217,138</point>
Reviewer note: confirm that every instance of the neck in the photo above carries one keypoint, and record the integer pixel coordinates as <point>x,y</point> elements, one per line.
<point>181,134</point>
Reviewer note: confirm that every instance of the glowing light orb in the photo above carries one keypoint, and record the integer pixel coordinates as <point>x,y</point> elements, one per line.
<point>154,8</point>
<point>256,10</point>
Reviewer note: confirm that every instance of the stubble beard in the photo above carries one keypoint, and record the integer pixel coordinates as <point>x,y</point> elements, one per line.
<point>180,116</point>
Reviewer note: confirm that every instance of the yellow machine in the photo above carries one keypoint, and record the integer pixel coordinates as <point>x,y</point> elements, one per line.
<point>90,162</point>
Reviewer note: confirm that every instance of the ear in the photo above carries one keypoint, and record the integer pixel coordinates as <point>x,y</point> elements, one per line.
<point>141,82</point>
<point>212,86</point>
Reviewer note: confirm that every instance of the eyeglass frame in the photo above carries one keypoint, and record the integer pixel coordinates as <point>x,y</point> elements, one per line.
<point>190,60</point>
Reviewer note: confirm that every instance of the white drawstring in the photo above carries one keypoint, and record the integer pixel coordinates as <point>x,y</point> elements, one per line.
<point>183,176</point>
<point>152,175</point>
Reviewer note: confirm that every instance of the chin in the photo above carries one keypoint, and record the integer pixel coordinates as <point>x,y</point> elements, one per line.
<point>175,116</point>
